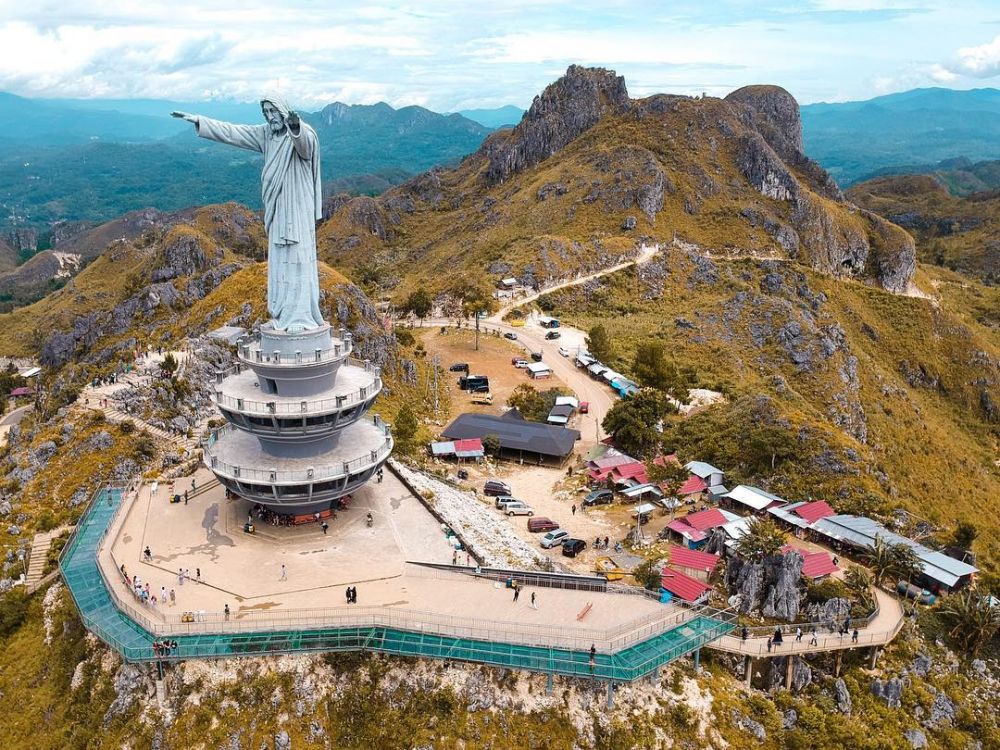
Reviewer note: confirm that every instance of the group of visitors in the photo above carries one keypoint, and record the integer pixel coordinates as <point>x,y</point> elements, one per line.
<point>602,543</point>
<point>352,594</point>
<point>143,593</point>
<point>164,647</point>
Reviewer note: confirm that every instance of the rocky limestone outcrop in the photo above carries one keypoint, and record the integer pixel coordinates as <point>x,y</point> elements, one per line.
<point>890,691</point>
<point>184,256</point>
<point>567,108</point>
<point>842,696</point>
<point>778,671</point>
<point>770,587</point>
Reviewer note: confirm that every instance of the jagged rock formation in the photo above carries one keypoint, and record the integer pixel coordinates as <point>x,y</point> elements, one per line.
<point>568,107</point>
<point>770,586</point>
<point>589,165</point>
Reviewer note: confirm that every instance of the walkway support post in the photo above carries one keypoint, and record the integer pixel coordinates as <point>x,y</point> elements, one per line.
<point>748,672</point>
<point>548,683</point>
<point>875,653</point>
<point>836,664</point>
<point>789,671</point>
<point>611,694</point>
<point>697,660</point>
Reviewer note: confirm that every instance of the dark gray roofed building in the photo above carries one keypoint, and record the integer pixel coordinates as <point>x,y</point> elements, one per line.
<point>519,438</point>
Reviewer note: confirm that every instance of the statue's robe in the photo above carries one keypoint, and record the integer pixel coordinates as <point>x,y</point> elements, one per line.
<point>293,203</point>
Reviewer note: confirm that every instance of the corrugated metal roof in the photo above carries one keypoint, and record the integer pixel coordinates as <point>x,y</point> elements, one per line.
<point>638,490</point>
<point>753,497</point>
<point>567,401</point>
<point>814,511</point>
<point>702,469</point>
<point>686,530</point>
<point>692,558</point>
<point>704,520</point>
<point>692,486</point>
<point>445,448</point>
<point>515,434</point>
<point>784,512</point>
<point>538,367</point>
<point>683,586</point>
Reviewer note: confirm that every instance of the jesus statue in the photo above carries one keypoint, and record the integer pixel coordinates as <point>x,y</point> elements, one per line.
<point>292,205</point>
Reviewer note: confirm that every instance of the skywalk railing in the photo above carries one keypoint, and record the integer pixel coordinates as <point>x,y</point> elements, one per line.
<point>315,473</point>
<point>825,642</point>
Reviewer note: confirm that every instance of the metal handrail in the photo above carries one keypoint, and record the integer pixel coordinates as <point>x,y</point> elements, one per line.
<point>299,408</point>
<point>316,473</point>
<point>252,354</point>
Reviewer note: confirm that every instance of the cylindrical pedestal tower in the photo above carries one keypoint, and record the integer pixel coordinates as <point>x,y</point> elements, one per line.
<point>297,440</point>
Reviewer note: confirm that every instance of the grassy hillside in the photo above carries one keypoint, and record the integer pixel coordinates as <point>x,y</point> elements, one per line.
<point>960,233</point>
<point>675,168</point>
<point>882,396</point>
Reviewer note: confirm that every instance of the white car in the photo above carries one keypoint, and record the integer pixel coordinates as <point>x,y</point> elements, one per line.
<point>518,509</point>
<point>554,538</point>
<point>564,351</point>
<point>521,364</point>
<point>503,500</point>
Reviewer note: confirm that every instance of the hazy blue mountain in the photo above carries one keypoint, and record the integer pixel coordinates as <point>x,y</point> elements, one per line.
<point>854,140</point>
<point>501,117</point>
<point>95,160</point>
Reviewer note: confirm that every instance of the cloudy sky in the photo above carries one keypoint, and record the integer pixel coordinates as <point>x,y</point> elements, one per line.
<point>456,54</point>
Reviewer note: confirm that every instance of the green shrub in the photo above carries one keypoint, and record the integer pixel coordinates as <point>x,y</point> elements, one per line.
<point>13,610</point>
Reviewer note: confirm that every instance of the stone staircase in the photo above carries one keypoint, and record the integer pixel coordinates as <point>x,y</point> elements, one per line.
<point>36,577</point>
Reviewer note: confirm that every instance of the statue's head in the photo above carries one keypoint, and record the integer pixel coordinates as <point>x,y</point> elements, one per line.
<point>275,110</point>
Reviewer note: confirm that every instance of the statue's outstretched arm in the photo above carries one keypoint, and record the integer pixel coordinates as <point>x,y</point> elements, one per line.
<point>185,116</point>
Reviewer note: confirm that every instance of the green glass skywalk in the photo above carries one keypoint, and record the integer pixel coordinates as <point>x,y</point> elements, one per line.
<point>134,643</point>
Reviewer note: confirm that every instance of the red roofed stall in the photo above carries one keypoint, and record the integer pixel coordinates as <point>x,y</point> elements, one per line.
<point>684,587</point>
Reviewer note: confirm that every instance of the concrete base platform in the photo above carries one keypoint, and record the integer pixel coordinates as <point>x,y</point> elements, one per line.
<point>246,573</point>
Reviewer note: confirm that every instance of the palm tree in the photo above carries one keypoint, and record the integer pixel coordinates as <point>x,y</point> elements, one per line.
<point>879,559</point>
<point>905,565</point>
<point>859,581</point>
<point>974,617</point>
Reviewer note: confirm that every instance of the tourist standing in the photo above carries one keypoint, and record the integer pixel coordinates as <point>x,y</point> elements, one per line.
<point>284,573</point>
<point>325,526</point>
<point>180,576</point>
<point>573,509</point>
<point>770,640</point>
<point>348,594</point>
<point>147,554</point>
<point>173,598</point>
<point>533,605</point>
<point>798,635</point>
<point>854,636</point>
<point>225,611</point>
<point>197,575</point>
<point>813,641</point>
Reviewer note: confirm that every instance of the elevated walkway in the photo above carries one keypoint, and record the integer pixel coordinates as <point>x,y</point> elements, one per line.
<point>134,640</point>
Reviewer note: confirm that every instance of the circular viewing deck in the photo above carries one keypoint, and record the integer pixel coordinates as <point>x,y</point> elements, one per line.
<point>270,415</point>
<point>298,483</point>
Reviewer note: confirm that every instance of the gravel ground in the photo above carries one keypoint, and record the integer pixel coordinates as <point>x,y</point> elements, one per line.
<point>477,522</point>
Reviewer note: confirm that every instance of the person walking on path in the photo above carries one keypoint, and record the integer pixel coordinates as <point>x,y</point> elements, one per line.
<point>533,605</point>
<point>197,575</point>
<point>325,526</point>
<point>744,633</point>
<point>770,640</point>
<point>163,595</point>
<point>354,595</point>
<point>225,611</point>
<point>593,656</point>
<point>813,641</point>
<point>284,573</point>
<point>778,638</point>
<point>854,636</point>
<point>798,635</point>
<point>147,554</point>
<point>185,497</point>
<point>573,509</point>
<point>173,598</point>
<point>517,591</point>
<point>180,576</point>
<point>454,557</point>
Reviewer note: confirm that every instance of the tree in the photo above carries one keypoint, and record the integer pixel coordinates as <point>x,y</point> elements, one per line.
<point>652,368</point>
<point>879,559</point>
<point>905,565</point>
<point>964,536</point>
<point>859,581</point>
<point>419,303</point>
<point>635,422</point>
<point>169,365</point>
<point>599,343</point>
<point>974,619</point>
<point>477,299</point>
<point>527,400</point>
<point>404,431</point>
<point>491,445</point>
<point>762,539</point>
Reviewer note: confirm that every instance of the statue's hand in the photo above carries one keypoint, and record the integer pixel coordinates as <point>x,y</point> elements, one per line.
<point>293,120</point>
<point>185,116</point>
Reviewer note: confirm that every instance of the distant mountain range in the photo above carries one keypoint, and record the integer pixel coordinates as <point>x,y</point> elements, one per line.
<point>501,117</point>
<point>856,140</point>
<point>69,160</point>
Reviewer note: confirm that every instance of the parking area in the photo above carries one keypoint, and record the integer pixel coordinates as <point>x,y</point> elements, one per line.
<point>493,359</point>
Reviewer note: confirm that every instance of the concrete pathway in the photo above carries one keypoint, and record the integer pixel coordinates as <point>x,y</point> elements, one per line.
<point>883,629</point>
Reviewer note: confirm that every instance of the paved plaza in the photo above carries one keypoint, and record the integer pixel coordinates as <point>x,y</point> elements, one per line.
<point>245,572</point>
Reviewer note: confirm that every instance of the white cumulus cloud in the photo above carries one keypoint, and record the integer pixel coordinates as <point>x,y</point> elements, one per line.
<point>980,62</point>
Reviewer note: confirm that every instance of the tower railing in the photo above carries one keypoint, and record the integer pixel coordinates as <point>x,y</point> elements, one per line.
<point>297,476</point>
